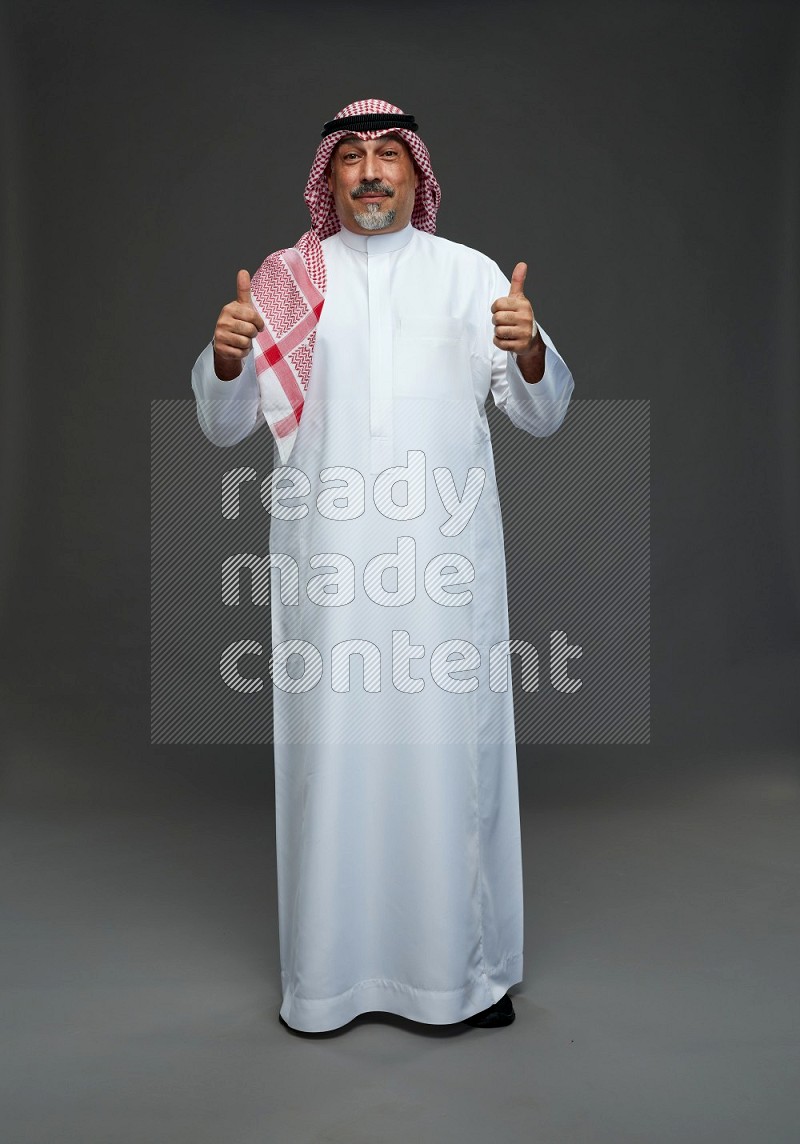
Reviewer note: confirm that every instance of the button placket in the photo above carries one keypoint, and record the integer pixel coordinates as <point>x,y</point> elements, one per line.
<point>380,360</point>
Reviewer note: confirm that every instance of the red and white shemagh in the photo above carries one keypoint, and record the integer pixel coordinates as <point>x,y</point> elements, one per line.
<point>288,289</point>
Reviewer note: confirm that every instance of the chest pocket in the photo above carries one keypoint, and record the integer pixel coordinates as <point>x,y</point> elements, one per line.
<point>432,358</point>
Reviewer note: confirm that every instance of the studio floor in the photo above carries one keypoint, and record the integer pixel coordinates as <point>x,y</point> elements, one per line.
<point>141,982</point>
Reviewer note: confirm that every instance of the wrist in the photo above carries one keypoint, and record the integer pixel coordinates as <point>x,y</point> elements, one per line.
<point>225,368</point>
<point>531,365</point>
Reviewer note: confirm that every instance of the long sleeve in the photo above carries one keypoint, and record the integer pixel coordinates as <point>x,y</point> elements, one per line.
<point>537,407</point>
<point>228,411</point>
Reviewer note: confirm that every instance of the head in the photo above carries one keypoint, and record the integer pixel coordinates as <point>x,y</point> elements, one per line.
<point>374,183</point>
<point>378,150</point>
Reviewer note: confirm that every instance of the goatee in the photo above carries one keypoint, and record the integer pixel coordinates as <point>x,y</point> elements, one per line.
<point>375,219</point>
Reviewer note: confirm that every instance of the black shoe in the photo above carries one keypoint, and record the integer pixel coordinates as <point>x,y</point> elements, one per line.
<point>497,1015</point>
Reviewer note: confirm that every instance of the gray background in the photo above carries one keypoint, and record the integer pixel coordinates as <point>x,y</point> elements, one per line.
<point>643,158</point>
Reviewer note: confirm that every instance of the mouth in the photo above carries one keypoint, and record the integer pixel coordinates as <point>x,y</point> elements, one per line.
<point>373,196</point>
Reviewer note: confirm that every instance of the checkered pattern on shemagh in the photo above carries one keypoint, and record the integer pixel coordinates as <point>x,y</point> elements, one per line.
<point>288,289</point>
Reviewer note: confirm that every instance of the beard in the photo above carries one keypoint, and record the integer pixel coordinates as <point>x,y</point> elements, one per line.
<point>373,218</point>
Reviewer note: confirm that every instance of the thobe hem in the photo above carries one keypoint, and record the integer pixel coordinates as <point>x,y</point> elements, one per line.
<point>379,995</point>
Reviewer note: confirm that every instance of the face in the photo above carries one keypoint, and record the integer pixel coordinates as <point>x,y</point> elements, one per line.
<point>373,183</point>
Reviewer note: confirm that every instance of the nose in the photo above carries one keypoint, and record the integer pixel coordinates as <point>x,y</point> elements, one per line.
<point>371,167</point>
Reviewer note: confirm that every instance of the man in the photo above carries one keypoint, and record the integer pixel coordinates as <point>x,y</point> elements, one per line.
<point>369,350</point>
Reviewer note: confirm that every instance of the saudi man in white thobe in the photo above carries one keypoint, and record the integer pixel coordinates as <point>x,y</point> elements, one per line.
<point>369,349</point>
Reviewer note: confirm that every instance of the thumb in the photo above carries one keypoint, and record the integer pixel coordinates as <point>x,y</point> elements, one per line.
<point>518,279</point>
<point>243,288</point>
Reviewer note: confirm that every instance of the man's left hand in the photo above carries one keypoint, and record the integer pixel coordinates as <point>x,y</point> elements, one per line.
<point>515,327</point>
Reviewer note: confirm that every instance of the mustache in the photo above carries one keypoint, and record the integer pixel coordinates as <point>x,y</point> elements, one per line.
<point>372,188</point>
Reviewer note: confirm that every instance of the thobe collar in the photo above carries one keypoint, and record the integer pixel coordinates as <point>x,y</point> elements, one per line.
<point>377,243</point>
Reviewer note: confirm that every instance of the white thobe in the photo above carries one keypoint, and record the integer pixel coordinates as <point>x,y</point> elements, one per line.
<point>397,811</point>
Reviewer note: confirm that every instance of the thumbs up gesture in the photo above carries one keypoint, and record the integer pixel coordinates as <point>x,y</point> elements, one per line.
<point>238,323</point>
<point>514,324</point>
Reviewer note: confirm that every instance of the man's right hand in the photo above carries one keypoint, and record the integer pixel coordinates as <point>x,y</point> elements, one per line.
<point>238,323</point>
